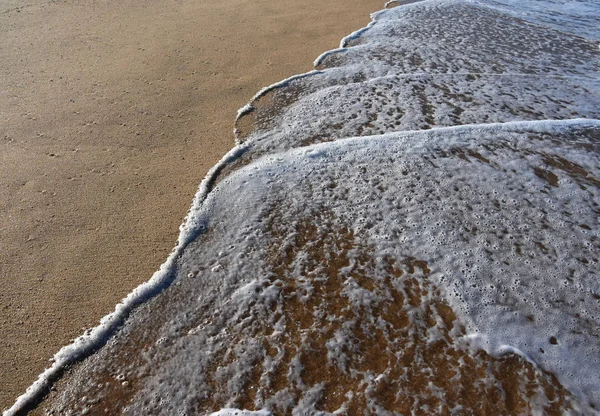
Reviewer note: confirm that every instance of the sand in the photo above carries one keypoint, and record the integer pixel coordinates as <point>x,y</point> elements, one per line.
<point>110,115</point>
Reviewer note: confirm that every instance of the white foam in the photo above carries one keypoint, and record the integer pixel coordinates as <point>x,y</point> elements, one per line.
<point>434,64</point>
<point>439,63</point>
<point>526,283</point>
<point>510,301</point>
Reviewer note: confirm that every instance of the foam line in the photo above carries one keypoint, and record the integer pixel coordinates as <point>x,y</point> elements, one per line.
<point>352,36</point>
<point>343,44</point>
<point>95,338</point>
<point>536,126</point>
<point>283,83</point>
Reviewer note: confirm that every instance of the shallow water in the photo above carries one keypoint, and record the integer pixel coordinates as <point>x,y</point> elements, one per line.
<point>576,17</point>
<point>411,228</point>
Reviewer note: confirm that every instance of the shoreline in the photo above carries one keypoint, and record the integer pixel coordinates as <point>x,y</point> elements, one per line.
<point>114,113</point>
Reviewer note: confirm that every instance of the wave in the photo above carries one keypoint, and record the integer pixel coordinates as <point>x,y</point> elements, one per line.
<point>430,190</point>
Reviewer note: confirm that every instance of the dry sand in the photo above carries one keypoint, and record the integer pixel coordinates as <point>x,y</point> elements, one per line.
<point>111,112</point>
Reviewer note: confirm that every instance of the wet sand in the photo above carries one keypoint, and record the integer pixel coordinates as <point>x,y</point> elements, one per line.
<point>111,113</point>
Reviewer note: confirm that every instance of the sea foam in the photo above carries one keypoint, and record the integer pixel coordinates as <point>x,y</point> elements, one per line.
<point>427,198</point>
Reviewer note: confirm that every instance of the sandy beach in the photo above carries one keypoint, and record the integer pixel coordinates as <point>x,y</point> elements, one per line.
<point>111,113</point>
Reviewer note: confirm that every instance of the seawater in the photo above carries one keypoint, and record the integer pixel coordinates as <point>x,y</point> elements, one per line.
<point>412,227</point>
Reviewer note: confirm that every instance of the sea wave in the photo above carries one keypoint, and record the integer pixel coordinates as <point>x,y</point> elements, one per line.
<point>412,225</point>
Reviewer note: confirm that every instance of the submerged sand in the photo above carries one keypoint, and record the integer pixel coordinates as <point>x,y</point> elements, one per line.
<point>112,112</point>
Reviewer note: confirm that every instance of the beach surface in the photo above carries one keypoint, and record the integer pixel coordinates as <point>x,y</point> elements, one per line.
<point>111,113</point>
<point>412,228</point>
